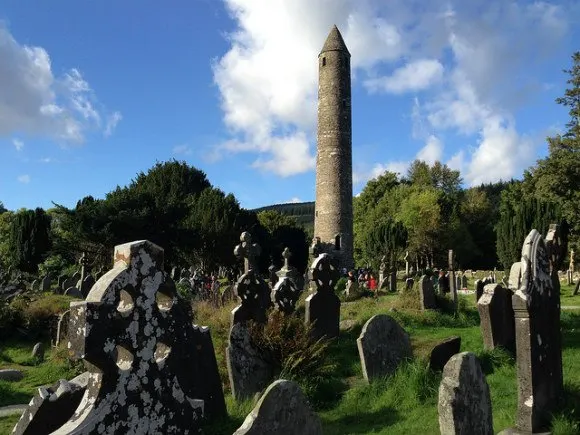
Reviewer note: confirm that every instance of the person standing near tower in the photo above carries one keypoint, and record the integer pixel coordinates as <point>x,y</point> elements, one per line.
<point>333,219</point>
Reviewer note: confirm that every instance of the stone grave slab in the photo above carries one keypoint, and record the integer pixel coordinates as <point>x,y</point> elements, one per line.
<point>497,318</point>
<point>442,353</point>
<point>323,306</point>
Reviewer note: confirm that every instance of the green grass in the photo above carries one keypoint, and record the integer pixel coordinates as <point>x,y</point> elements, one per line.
<point>402,404</point>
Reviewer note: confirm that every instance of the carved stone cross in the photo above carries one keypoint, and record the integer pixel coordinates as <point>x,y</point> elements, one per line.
<point>248,251</point>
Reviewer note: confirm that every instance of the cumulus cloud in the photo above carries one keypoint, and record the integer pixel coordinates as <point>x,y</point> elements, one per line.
<point>24,179</point>
<point>34,101</point>
<point>464,57</point>
<point>414,76</point>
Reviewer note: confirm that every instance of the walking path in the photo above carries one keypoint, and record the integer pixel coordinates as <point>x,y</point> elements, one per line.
<point>5,411</point>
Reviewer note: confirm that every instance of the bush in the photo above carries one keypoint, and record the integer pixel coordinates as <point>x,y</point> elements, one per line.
<point>38,315</point>
<point>340,286</point>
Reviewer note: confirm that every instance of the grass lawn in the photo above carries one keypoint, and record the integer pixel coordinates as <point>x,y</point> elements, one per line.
<point>405,403</point>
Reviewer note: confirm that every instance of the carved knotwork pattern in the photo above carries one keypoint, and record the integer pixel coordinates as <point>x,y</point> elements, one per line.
<point>325,273</point>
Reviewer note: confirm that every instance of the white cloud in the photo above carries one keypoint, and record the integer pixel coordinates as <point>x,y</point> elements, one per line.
<point>112,120</point>
<point>18,144</point>
<point>414,76</point>
<point>24,179</point>
<point>432,151</point>
<point>34,101</point>
<point>182,150</point>
<point>471,59</point>
<point>294,200</point>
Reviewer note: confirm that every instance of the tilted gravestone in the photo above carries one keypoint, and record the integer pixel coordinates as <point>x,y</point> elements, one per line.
<point>323,306</point>
<point>442,353</point>
<point>249,369</point>
<point>51,407</point>
<point>382,345</point>
<point>150,369</point>
<point>282,409</point>
<point>251,289</point>
<point>497,318</point>
<point>427,293</point>
<point>464,399</point>
<point>536,304</point>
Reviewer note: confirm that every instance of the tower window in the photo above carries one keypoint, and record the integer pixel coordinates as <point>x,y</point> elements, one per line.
<point>324,61</point>
<point>337,242</point>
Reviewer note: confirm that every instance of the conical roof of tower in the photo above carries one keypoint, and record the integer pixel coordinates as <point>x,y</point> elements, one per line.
<point>334,41</point>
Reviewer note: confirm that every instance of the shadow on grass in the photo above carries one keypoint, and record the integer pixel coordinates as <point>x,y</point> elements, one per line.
<point>566,421</point>
<point>493,359</point>
<point>362,422</point>
<point>8,396</point>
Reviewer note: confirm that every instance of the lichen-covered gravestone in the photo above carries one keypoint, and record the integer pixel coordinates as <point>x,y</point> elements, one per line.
<point>464,399</point>
<point>62,328</point>
<point>150,369</point>
<point>427,293</point>
<point>249,369</point>
<point>323,306</point>
<point>283,409</point>
<point>536,305</point>
<point>382,345</point>
<point>497,318</point>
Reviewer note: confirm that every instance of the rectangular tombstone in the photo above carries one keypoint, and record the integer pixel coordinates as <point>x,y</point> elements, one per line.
<point>497,318</point>
<point>536,305</point>
<point>427,293</point>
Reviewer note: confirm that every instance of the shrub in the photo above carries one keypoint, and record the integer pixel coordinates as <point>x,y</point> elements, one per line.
<point>340,286</point>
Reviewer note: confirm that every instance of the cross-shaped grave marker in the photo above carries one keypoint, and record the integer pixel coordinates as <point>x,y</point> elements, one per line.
<point>248,251</point>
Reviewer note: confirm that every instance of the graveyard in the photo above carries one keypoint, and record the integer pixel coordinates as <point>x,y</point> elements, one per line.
<point>417,306</point>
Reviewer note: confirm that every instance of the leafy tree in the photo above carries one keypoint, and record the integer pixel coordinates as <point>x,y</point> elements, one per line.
<point>6,219</point>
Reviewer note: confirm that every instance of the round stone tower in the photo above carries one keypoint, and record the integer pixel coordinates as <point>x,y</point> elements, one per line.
<point>333,212</point>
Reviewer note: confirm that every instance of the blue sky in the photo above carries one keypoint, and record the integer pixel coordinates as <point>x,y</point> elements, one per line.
<point>91,93</point>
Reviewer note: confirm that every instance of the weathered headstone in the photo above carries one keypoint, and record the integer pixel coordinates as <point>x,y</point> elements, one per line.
<point>61,281</point>
<point>272,277</point>
<point>382,346</point>
<point>464,399</point>
<point>62,328</point>
<point>87,284</point>
<point>536,304</point>
<point>35,286</point>
<point>143,352</point>
<point>409,282</point>
<point>38,352</point>
<point>497,318</point>
<point>283,409</point>
<point>479,285</point>
<point>285,295</point>
<point>249,370</point>
<point>442,352</point>
<point>51,407</point>
<point>289,271</point>
<point>45,283</point>
<point>464,281</point>
<point>323,306</point>
<point>254,296</point>
<point>427,293</point>
<point>452,280</point>
<point>74,292</point>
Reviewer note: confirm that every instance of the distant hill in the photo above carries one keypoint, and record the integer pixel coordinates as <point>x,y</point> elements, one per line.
<point>302,211</point>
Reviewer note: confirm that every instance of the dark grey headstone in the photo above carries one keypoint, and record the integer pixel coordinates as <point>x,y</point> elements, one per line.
<point>74,292</point>
<point>87,284</point>
<point>427,293</point>
<point>442,353</point>
<point>45,283</point>
<point>254,295</point>
<point>323,306</point>
<point>249,368</point>
<point>282,409</point>
<point>479,285</point>
<point>497,318</point>
<point>382,346</point>
<point>464,399</point>
<point>285,295</point>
